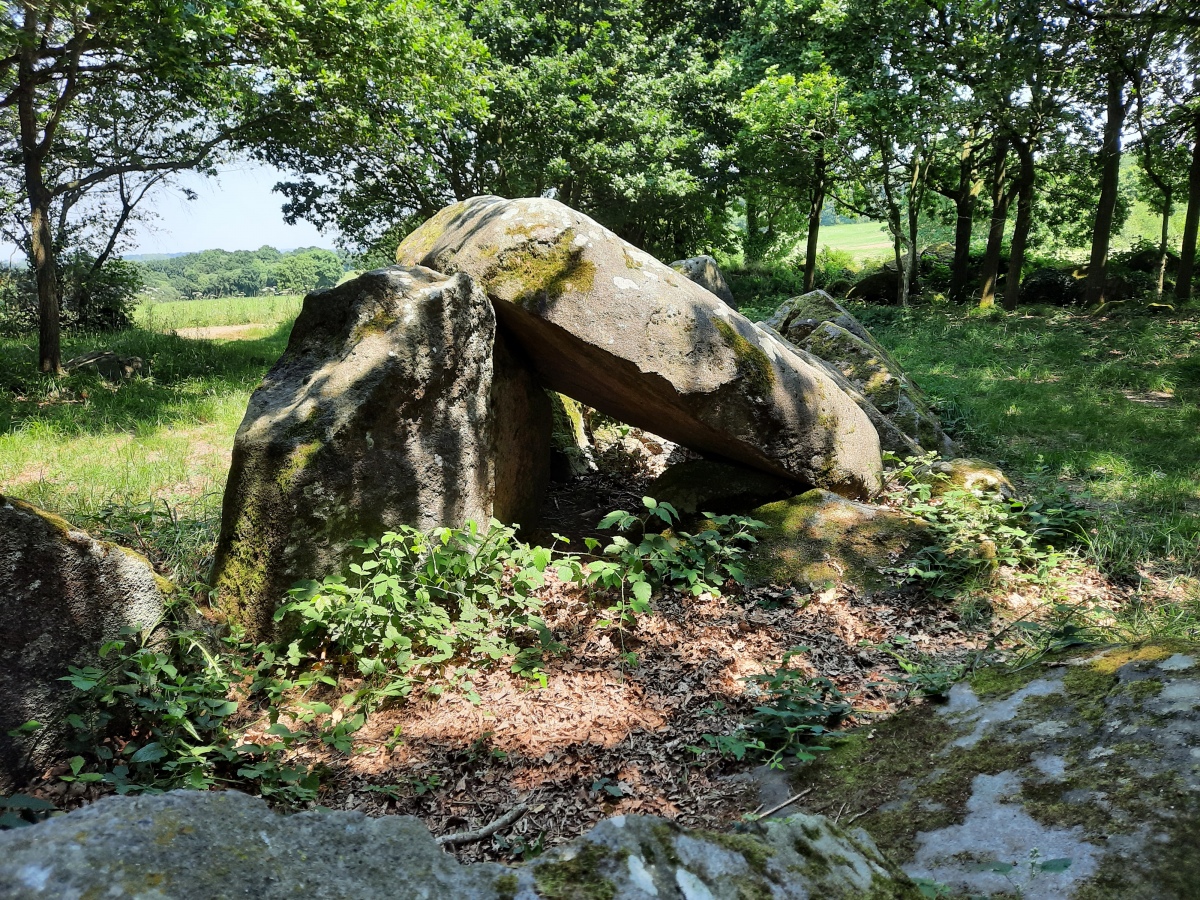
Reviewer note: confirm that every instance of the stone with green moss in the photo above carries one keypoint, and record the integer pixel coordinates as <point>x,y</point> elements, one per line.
<point>64,594</point>
<point>573,454</point>
<point>611,326</point>
<point>1076,777</point>
<point>818,538</point>
<point>881,381</point>
<point>192,845</point>
<point>394,404</point>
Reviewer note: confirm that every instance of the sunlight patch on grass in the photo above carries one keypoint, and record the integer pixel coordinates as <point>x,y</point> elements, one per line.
<point>167,317</point>
<point>1046,397</point>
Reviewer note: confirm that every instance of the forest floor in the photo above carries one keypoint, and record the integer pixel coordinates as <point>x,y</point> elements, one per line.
<point>1107,410</point>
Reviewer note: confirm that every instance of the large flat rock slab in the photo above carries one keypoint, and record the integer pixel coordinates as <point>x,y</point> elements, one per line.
<point>611,326</point>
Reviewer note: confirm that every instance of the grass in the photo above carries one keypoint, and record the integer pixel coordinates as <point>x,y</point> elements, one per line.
<point>862,240</point>
<point>143,462</point>
<point>166,317</point>
<point>1110,409</point>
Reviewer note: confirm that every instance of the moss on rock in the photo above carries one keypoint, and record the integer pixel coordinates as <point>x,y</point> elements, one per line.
<point>1081,757</point>
<point>819,537</point>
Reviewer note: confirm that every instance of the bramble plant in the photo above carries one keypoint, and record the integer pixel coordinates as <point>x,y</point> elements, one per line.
<point>695,563</point>
<point>796,710</point>
<point>975,533</point>
<point>422,599</point>
<point>171,701</point>
<point>425,609</point>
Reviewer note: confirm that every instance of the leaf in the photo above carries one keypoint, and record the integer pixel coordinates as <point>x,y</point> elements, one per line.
<point>641,591</point>
<point>24,801</point>
<point>1055,865</point>
<point>152,752</point>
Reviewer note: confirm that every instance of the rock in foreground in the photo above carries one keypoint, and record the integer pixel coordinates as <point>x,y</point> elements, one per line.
<point>63,595</point>
<point>1076,778</point>
<point>613,327</point>
<point>200,846</point>
<point>392,405</point>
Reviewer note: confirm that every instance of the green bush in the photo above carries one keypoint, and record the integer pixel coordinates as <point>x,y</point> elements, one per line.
<point>975,533</point>
<point>422,599</point>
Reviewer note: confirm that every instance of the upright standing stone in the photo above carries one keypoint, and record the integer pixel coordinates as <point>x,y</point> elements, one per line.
<point>384,410</point>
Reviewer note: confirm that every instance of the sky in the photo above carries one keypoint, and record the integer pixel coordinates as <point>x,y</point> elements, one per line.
<point>233,211</point>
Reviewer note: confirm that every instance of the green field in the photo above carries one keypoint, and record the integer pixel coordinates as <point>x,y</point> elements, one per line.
<point>224,312</point>
<point>863,240</point>
<point>143,462</point>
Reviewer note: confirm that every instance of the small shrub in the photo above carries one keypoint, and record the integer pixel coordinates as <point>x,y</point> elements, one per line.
<point>977,533</point>
<point>696,563</point>
<point>422,599</point>
<point>158,718</point>
<point>795,711</point>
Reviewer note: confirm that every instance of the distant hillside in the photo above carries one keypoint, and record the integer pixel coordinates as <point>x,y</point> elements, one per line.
<point>238,273</point>
<point>146,257</point>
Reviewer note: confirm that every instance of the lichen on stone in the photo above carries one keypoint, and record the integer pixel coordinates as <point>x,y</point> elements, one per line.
<point>752,363</point>
<point>535,273</point>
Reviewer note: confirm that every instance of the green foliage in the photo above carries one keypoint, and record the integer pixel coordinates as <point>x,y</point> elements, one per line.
<point>977,533</point>
<point>20,810</point>
<point>241,273</point>
<point>696,563</point>
<point>795,710</point>
<point>420,600</point>
<point>1061,399</point>
<point>169,700</point>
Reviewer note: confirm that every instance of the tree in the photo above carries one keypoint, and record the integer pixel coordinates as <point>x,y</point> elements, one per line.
<point>615,109</point>
<point>794,131</point>
<point>183,81</point>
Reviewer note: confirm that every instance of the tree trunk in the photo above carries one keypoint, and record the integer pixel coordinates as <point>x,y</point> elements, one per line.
<point>991,256</point>
<point>964,208</point>
<point>914,221</point>
<point>1191,221</point>
<point>41,233</point>
<point>750,245</point>
<point>1110,154</point>
<point>815,208</point>
<point>1016,251</point>
<point>1163,237</point>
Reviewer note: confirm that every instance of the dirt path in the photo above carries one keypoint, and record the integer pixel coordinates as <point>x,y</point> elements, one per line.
<point>246,332</point>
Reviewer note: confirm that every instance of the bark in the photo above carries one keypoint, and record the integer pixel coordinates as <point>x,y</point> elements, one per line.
<point>1163,237</point>
<point>1016,252</point>
<point>964,208</point>
<point>751,246</point>
<point>915,192</point>
<point>1187,251</point>
<point>41,234</point>
<point>1000,197</point>
<point>1116,108</point>
<point>815,208</point>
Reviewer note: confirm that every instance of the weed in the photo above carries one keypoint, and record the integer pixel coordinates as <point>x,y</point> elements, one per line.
<point>795,711</point>
<point>421,600</point>
<point>976,532</point>
<point>19,810</point>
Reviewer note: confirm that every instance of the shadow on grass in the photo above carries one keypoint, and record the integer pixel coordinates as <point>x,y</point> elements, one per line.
<point>178,380</point>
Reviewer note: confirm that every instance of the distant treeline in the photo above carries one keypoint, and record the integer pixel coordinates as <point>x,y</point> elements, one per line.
<point>244,273</point>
